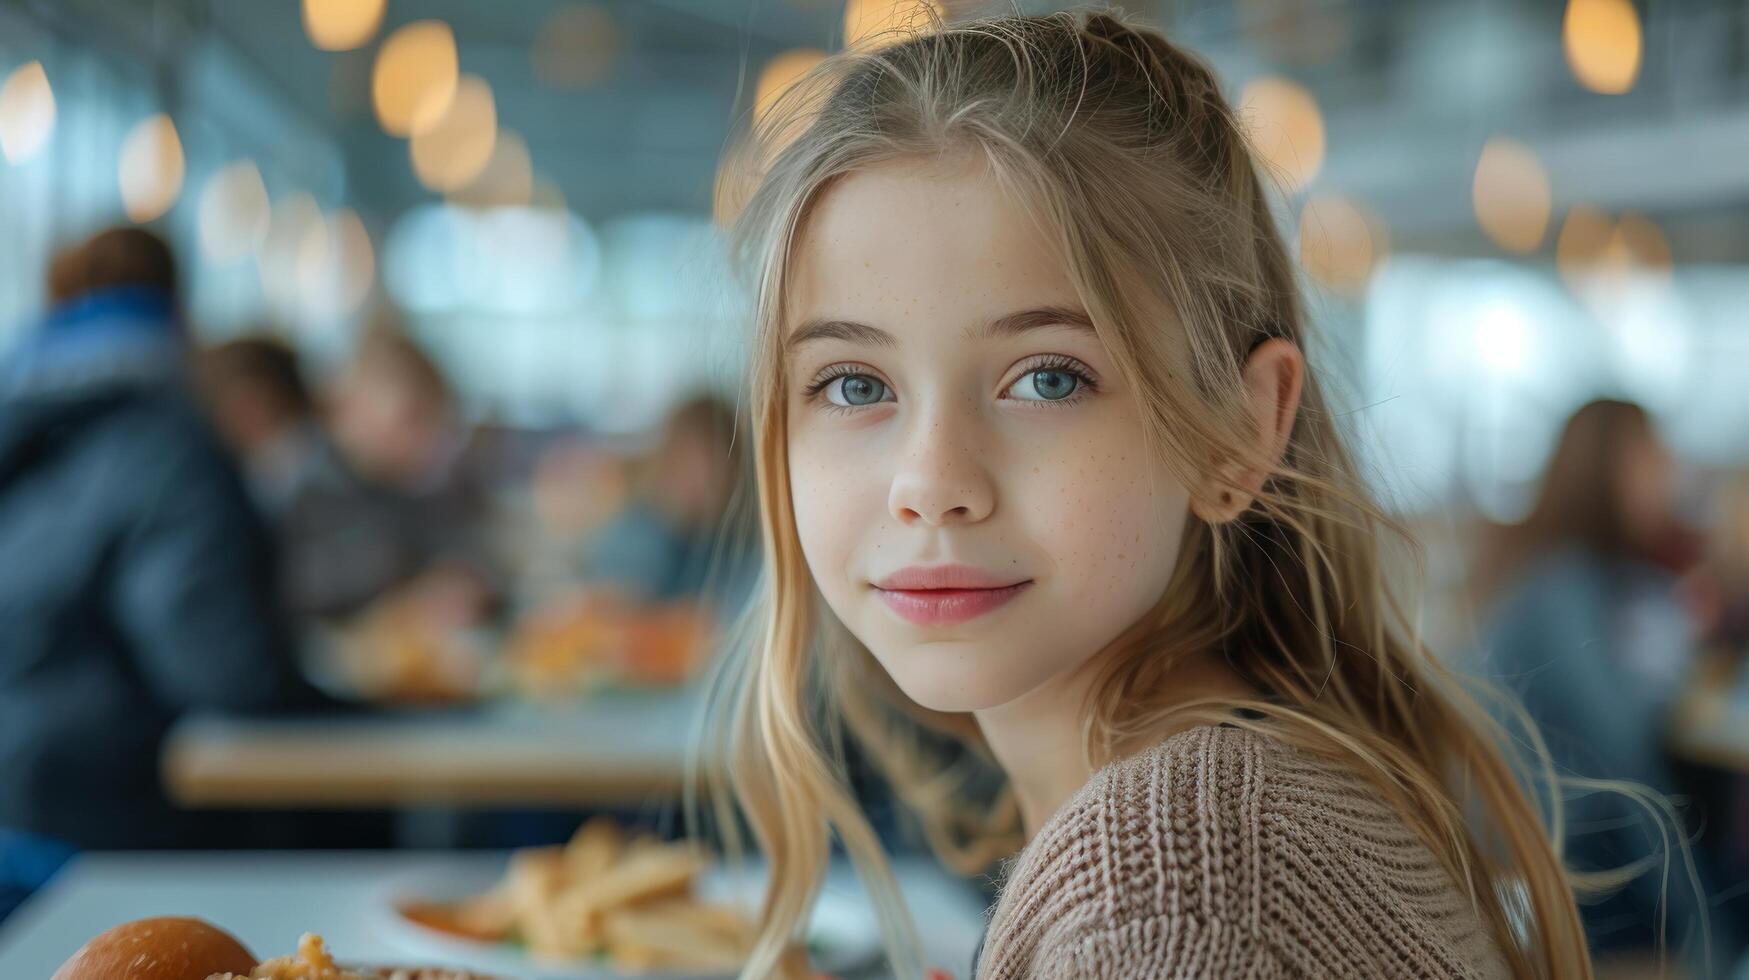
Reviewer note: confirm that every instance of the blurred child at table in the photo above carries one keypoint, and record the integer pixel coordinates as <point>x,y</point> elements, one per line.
<point>336,533</point>
<point>136,579</point>
<point>661,559</point>
<point>1585,624</point>
<point>675,538</point>
<point>394,418</point>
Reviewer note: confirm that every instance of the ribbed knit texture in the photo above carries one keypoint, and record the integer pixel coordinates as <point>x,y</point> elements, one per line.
<point>1224,853</point>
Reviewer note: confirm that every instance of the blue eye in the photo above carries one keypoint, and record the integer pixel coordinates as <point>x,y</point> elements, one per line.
<point>855,390</point>
<point>1045,386</point>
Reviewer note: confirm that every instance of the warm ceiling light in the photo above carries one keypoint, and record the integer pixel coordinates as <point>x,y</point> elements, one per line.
<point>1341,242</point>
<point>779,74</point>
<point>1603,44</point>
<point>1641,243</point>
<point>1285,128</point>
<point>1580,246</point>
<point>234,213</point>
<point>341,25</point>
<point>1511,195</point>
<point>151,168</point>
<point>27,112</point>
<point>415,76</point>
<point>455,148</point>
<point>293,218</point>
<point>336,265</point>
<point>876,23</point>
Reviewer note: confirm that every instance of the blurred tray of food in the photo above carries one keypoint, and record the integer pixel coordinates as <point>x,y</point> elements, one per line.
<point>611,905</point>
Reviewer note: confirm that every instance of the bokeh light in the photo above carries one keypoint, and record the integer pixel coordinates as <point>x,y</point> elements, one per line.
<point>234,213</point>
<point>877,23</point>
<point>455,148</point>
<point>1603,44</point>
<point>336,265</point>
<point>1584,236</point>
<point>415,77</point>
<point>1511,195</point>
<point>1341,242</point>
<point>341,25</point>
<point>779,74</point>
<point>151,168</point>
<point>1638,241</point>
<point>1285,127</point>
<point>293,217</point>
<point>27,112</point>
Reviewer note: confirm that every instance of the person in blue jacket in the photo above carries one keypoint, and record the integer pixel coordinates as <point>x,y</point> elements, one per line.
<point>136,580</point>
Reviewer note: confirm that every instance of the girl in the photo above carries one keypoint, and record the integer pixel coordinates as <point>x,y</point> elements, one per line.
<point>1040,464</point>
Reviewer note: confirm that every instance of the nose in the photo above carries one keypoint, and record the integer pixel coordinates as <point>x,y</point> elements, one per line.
<point>942,481</point>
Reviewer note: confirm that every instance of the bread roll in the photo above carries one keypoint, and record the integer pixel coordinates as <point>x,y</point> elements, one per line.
<point>158,949</point>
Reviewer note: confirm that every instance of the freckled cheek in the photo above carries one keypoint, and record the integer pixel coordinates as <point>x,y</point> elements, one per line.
<point>1094,513</point>
<point>838,498</point>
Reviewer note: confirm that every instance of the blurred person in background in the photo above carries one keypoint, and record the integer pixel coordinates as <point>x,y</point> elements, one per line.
<point>337,534</point>
<point>394,419</point>
<point>136,579</point>
<point>1718,592</point>
<point>1584,622</point>
<point>1720,587</point>
<point>671,541</point>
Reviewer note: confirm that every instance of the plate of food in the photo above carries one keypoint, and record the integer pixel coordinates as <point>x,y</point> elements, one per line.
<point>179,948</point>
<point>605,906</point>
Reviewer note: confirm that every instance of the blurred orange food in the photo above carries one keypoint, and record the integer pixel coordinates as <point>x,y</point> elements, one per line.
<point>397,652</point>
<point>591,639</point>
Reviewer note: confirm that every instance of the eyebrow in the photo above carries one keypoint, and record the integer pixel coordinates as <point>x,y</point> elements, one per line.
<point>1010,325</point>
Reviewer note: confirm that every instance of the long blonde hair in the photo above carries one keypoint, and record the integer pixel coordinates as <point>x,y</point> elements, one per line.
<point>1125,147</point>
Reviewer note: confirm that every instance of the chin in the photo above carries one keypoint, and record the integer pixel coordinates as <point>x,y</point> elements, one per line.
<point>957,677</point>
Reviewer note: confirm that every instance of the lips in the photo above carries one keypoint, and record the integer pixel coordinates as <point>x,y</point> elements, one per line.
<point>946,594</point>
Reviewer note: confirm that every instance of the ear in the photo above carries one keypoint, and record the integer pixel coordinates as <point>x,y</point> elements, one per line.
<point>1273,377</point>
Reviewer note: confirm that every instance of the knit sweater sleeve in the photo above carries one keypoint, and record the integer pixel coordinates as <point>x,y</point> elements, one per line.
<point>1224,854</point>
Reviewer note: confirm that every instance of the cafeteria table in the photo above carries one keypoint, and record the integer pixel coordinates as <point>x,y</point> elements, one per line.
<point>617,749</point>
<point>268,899</point>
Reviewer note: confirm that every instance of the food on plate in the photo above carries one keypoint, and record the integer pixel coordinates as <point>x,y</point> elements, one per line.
<point>592,638</point>
<point>191,949</point>
<point>628,899</point>
<point>312,962</point>
<point>158,949</point>
<point>399,651</point>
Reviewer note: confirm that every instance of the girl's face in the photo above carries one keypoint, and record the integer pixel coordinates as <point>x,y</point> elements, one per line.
<point>966,465</point>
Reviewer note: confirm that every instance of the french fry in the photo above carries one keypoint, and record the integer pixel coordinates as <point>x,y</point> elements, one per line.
<point>603,892</point>
<point>666,936</point>
<point>645,874</point>
<point>593,849</point>
<point>535,879</point>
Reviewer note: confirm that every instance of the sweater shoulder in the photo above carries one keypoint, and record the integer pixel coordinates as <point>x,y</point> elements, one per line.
<point>1172,832</point>
<point>1229,843</point>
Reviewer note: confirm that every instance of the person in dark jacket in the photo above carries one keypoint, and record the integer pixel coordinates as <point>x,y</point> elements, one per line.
<point>136,579</point>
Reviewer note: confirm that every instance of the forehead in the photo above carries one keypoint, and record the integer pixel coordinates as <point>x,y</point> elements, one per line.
<point>909,242</point>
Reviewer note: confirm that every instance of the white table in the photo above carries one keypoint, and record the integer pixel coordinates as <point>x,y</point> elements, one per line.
<point>612,750</point>
<point>268,899</point>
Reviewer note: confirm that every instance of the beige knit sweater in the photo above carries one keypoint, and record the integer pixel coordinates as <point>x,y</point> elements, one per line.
<point>1222,853</point>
